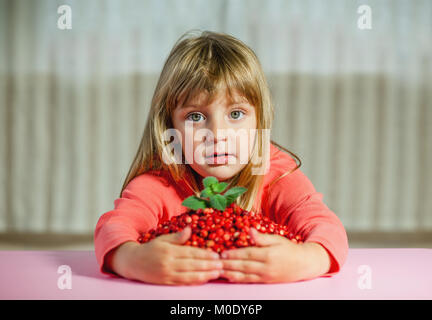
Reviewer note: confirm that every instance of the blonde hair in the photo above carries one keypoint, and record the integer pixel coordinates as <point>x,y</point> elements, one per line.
<point>209,61</point>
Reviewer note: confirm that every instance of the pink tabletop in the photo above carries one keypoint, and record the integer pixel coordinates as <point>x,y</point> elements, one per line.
<point>367,274</point>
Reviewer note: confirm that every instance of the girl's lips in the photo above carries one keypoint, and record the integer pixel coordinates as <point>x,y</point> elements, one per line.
<point>220,155</point>
<point>219,159</point>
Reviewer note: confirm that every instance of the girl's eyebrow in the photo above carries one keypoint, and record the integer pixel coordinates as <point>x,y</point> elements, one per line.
<point>189,105</point>
<point>192,105</point>
<point>237,103</point>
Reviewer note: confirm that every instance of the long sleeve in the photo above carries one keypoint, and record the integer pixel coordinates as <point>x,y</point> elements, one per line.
<point>137,210</point>
<point>293,201</point>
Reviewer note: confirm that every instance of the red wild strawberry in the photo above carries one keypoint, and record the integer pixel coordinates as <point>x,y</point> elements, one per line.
<point>212,236</point>
<point>226,236</point>
<point>220,232</point>
<point>188,219</point>
<point>218,229</point>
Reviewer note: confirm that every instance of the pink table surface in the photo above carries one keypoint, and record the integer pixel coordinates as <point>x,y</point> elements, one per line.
<point>367,274</point>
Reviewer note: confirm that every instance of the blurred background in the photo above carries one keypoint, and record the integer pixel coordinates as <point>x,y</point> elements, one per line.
<point>352,87</point>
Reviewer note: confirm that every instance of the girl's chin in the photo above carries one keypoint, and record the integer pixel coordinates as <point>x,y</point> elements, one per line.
<point>220,172</point>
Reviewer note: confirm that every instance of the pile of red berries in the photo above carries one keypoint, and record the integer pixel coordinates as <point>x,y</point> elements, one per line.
<point>220,230</point>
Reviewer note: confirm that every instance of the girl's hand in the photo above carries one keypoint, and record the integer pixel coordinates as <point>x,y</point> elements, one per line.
<point>164,260</point>
<point>274,259</point>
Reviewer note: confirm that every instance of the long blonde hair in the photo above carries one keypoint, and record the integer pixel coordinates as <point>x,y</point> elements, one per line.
<point>208,61</point>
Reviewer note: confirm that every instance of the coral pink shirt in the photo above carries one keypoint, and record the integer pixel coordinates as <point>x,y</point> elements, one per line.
<point>293,201</point>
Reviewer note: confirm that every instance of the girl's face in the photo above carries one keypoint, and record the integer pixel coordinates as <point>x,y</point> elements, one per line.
<point>222,127</point>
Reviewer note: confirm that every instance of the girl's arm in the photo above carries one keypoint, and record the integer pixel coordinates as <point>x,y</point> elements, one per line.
<point>164,260</point>
<point>317,224</point>
<point>317,260</point>
<point>293,201</point>
<point>275,259</point>
<point>137,210</point>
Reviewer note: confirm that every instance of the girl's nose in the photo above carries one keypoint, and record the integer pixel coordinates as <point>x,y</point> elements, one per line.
<point>218,127</point>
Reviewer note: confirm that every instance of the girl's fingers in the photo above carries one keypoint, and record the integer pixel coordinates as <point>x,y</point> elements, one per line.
<point>175,238</point>
<point>244,266</point>
<point>194,278</point>
<point>237,276</point>
<point>196,253</point>
<point>251,253</point>
<point>265,240</point>
<point>182,265</point>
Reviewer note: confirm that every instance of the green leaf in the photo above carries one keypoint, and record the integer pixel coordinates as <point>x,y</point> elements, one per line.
<point>206,193</point>
<point>233,194</point>
<point>219,187</point>
<point>208,181</point>
<point>194,203</point>
<point>218,202</point>
<point>211,197</point>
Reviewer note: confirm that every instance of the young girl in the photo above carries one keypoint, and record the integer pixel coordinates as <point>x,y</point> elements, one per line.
<point>212,83</point>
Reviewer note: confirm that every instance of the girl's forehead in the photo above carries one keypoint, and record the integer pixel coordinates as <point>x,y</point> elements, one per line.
<point>203,98</point>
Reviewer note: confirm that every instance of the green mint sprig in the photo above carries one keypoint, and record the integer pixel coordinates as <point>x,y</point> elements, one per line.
<point>211,196</point>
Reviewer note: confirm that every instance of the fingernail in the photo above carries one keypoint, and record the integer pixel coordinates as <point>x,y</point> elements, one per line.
<point>224,255</point>
<point>215,256</point>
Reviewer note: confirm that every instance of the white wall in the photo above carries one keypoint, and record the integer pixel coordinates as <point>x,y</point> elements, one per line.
<point>355,105</point>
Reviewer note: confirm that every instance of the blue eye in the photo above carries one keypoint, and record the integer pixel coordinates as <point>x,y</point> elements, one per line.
<point>193,119</point>
<point>237,112</point>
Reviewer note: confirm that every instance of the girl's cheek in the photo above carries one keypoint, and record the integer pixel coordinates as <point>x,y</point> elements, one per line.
<point>189,151</point>
<point>242,150</point>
